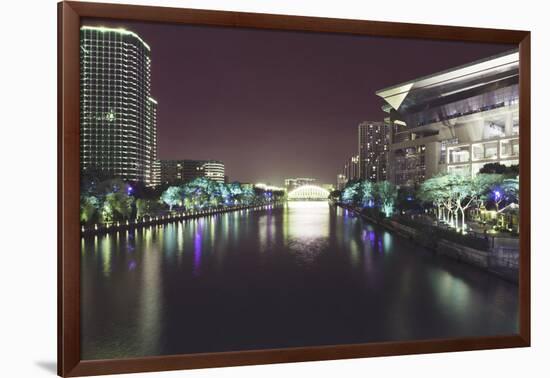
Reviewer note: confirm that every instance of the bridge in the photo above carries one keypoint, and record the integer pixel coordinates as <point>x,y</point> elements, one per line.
<point>308,193</point>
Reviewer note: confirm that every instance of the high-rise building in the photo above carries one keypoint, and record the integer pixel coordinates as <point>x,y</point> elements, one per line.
<point>373,149</point>
<point>454,121</point>
<point>179,171</point>
<point>293,183</point>
<point>118,117</point>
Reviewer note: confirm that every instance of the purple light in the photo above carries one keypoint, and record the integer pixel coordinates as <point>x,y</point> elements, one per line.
<point>198,252</point>
<point>497,195</point>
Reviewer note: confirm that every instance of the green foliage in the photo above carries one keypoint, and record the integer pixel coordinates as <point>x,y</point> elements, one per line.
<point>117,206</point>
<point>385,194</point>
<point>109,201</point>
<point>172,196</point>
<point>365,194</point>
<point>146,207</point>
<point>500,169</point>
<point>89,208</point>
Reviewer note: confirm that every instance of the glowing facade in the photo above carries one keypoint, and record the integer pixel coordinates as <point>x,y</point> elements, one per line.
<point>373,150</point>
<point>178,171</point>
<point>293,183</point>
<point>118,118</point>
<point>454,121</point>
<point>308,192</point>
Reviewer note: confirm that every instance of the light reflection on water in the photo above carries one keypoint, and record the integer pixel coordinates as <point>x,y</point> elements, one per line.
<point>303,274</point>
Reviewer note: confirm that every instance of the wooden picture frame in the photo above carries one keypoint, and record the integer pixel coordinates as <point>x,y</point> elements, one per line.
<point>69,16</point>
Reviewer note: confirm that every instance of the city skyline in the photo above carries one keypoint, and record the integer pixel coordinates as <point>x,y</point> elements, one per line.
<point>256,94</point>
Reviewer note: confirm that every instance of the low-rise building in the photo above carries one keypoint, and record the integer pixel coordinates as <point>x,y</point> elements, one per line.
<point>180,171</point>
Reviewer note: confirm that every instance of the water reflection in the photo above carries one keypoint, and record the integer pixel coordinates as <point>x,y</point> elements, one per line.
<point>298,275</point>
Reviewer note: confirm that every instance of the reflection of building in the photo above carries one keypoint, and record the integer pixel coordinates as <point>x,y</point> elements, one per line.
<point>175,171</point>
<point>118,131</point>
<point>373,149</point>
<point>294,183</point>
<point>454,121</point>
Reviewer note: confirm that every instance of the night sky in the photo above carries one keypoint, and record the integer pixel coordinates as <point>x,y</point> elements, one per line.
<point>277,104</point>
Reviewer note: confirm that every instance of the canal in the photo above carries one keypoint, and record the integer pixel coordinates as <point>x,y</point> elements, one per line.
<point>302,274</point>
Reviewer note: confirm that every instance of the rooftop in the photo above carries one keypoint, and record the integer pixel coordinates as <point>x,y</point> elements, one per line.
<point>449,82</point>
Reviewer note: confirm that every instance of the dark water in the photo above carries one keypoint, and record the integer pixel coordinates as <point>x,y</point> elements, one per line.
<point>306,274</point>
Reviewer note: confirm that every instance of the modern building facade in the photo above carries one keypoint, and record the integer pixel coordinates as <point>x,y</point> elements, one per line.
<point>373,140</point>
<point>180,171</point>
<point>455,121</point>
<point>118,117</point>
<point>293,183</point>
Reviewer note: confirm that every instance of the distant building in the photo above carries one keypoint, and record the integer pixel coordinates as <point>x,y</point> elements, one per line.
<point>373,143</point>
<point>350,170</point>
<point>293,183</point>
<point>171,171</point>
<point>341,181</point>
<point>118,116</point>
<point>454,121</point>
<point>179,171</point>
<point>328,187</point>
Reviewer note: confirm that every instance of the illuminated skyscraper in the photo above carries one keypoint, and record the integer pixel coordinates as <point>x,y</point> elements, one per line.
<point>118,118</point>
<point>373,150</point>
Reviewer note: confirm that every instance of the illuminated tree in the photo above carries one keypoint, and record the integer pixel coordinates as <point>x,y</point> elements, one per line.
<point>468,192</point>
<point>367,194</point>
<point>172,196</point>
<point>351,194</point>
<point>385,194</point>
<point>505,191</point>
<point>438,191</point>
<point>117,205</point>
<point>89,207</point>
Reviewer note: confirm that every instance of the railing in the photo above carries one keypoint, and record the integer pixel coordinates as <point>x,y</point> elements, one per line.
<point>101,228</point>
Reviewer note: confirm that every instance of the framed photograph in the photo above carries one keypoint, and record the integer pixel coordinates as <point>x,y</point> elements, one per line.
<point>239,188</point>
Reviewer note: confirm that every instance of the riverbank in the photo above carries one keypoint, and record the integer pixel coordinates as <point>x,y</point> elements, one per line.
<point>503,263</point>
<point>99,228</point>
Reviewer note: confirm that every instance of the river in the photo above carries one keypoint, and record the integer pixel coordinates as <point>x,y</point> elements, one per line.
<point>302,274</point>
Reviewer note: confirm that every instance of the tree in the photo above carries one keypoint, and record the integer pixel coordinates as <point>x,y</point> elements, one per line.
<point>146,207</point>
<point>117,206</point>
<point>335,195</point>
<point>351,194</point>
<point>468,192</point>
<point>89,207</point>
<point>386,194</point>
<point>504,191</point>
<point>500,169</point>
<point>367,194</point>
<point>172,196</point>
<point>438,191</point>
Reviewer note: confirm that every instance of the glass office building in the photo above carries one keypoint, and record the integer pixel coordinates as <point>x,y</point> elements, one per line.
<point>455,121</point>
<point>118,118</point>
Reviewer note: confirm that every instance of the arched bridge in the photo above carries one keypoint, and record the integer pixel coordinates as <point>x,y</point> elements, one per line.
<point>308,193</point>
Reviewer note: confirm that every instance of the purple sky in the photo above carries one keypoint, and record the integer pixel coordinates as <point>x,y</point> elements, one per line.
<point>276,104</point>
